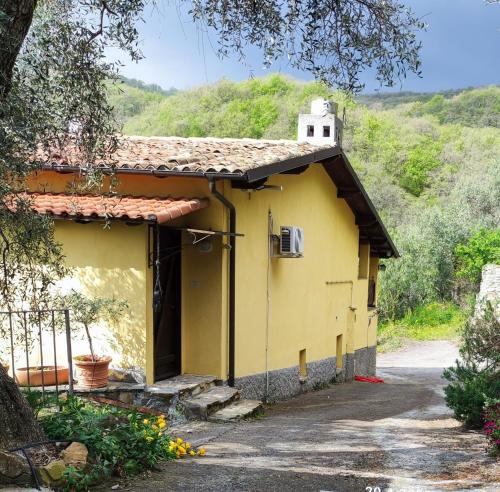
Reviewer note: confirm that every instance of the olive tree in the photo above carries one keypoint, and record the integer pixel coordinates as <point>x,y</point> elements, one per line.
<point>53,87</point>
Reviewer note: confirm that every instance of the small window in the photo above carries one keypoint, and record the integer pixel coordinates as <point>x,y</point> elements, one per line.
<point>302,364</point>
<point>372,292</point>
<point>340,355</point>
<point>310,130</point>
<point>326,131</point>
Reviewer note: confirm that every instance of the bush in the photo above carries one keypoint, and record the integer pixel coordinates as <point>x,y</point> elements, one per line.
<point>481,248</point>
<point>492,425</point>
<point>119,442</point>
<point>434,321</point>
<point>467,392</point>
<point>476,378</point>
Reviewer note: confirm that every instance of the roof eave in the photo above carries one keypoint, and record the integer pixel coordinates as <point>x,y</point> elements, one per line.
<point>328,157</point>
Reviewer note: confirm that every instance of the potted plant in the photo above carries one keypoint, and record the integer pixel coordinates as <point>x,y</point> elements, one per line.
<point>92,368</point>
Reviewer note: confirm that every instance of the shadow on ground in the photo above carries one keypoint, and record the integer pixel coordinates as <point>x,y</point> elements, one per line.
<point>344,438</point>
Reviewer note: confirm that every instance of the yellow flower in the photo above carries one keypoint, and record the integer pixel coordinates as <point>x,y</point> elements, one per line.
<point>162,424</point>
<point>179,441</point>
<point>187,446</point>
<point>172,443</point>
<point>201,452</point>
<point>145,421</point>
<point>192,453</point>
<point>159,434</point>
<point>182,450</point>
<point>178,454</point>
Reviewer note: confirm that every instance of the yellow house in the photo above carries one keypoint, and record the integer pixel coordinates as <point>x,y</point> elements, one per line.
<point>251,261</point>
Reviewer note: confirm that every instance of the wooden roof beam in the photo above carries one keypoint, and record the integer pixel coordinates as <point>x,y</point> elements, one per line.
<point>348,192</point>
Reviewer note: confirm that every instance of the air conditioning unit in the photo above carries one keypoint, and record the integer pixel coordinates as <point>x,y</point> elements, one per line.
<point>291,241</point>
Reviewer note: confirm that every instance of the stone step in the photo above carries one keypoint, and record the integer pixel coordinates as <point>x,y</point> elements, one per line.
<point>237,410</point>
<point>182,387</point>
<point>209,402</point>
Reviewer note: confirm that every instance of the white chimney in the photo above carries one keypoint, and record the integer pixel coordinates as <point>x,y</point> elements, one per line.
<point>321,126</point>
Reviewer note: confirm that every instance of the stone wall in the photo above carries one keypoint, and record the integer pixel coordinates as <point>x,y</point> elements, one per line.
<point>285,383</point>
<point>489,291</point>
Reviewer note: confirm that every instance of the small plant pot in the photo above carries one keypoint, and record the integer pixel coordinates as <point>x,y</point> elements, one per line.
<point>92,373</point>
<point>39,376</point>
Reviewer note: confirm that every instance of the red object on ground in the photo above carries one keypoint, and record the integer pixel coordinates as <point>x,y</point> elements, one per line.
<point>368,379</point>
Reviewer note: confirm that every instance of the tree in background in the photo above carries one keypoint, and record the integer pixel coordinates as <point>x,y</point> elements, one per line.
<point>53,75</point>
<point>481,248</point>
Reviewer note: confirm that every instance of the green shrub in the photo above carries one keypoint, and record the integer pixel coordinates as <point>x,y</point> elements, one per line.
<point>434,321</point>
<point>433,315</point>
<point>468,390</point>
<point>476,378</point>
<point>119,442</point>
<point>481,248</point>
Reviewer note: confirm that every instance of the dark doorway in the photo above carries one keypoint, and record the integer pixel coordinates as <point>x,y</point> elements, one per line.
<point>167,304</point>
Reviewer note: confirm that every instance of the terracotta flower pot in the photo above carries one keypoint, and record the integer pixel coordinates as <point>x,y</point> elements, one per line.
<point>35,375</point>
<point>92,373</point>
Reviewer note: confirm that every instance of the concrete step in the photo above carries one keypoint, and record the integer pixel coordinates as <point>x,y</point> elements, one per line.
<point>181,387</point>
<point>237,410</point>
<point>209,402</point>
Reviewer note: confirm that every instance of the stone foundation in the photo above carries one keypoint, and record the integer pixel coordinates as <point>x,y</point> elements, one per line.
<point>286,383</point>
<point>365,361</point>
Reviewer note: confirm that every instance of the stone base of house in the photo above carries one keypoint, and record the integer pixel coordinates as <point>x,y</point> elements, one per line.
<point>365,361</point>
<point>285,383</point>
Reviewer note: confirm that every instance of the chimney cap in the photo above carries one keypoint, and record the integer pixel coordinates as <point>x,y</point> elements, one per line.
<point>322,107</point>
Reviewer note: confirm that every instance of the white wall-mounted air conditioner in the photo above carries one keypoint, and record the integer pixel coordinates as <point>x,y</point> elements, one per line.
<point>291,241</point>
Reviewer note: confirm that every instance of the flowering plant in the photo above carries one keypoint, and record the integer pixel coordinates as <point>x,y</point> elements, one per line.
<point>492,426</point>
<point>120,442</point>
<point>182,448</point>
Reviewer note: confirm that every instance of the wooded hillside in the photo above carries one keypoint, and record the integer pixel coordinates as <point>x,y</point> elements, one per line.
<point>430,162</point>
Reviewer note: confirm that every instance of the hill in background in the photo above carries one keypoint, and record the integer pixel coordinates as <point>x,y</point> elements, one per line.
<point>430,162</point>
<point>403,145</point>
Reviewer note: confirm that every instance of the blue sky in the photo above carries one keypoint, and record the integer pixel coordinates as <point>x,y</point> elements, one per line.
<point>461,48</point>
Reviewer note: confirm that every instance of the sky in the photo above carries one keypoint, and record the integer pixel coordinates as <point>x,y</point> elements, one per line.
<point>461,48</point>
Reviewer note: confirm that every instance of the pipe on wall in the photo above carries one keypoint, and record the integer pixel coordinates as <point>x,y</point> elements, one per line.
<point>232,275</point>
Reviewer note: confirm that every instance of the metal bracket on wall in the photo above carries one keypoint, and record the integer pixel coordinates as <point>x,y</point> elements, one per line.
<point>200,235</point>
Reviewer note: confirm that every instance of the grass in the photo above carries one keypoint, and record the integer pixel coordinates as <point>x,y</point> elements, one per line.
<point>435,321</point>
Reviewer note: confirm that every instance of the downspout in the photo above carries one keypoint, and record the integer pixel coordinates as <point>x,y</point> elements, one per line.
<point>232,274</point>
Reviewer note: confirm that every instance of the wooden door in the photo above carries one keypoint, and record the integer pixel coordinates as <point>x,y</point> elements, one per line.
<point>167,306</point>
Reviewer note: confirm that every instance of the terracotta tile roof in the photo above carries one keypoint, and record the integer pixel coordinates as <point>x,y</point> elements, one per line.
<point>191,155</point>
<point>158,210</point>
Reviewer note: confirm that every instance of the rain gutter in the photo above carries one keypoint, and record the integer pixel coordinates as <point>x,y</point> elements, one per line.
<point>232,275</point>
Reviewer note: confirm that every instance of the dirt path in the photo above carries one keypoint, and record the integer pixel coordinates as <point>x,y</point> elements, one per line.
<point>397,435</point>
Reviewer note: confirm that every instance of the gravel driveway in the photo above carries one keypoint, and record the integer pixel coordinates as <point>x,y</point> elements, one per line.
<point>350,437</point>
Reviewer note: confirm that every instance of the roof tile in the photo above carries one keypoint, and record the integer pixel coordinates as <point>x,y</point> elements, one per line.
<point>156,209</point>
<point>198,155</point>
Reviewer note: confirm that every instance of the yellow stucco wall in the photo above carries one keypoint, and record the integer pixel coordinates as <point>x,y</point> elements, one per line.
<point>310,299</point>
<point>110,263</point>
<point>204,275</point>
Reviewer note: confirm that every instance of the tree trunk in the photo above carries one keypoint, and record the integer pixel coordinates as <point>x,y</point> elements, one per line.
<point>18,425</point>
<point>15,21</point>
